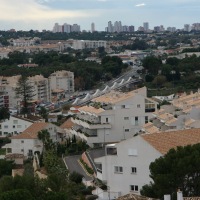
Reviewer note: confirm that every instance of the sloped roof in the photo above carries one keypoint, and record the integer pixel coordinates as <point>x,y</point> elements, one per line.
<point>32,131</point>
<point>67,124</point>
<point>163,142</point>
<point>114,97</point>
<point>134,197</point>
<point>91,109</point>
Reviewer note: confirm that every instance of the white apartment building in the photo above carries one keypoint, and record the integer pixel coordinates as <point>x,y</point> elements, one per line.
<point>113,117</point>
<point>7,88</point>
<point>62,80</point>
<point>125,168</point>
<point>27,142</point>
<point>14,125</point>
<point>41,89</point>
<point>23,42</point>
<point>90,44</point>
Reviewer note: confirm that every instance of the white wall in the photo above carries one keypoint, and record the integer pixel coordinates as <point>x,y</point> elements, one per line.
<point>22,146</point>
<point>145,155</point>
<point>13,126</point>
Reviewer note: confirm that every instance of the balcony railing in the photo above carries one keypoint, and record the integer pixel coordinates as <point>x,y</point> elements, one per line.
<point>90,125</point>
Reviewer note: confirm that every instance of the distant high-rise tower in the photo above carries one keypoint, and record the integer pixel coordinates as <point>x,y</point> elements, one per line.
<point>117,27</point>
<point>92,27</point>
<point>187,27</point>
<point>110,27</point>
<point>146,26</point>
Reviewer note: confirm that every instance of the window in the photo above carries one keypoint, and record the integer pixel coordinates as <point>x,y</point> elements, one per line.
<point>136,121</point>
<point>22,150</point>
<point>22,141</point>
<point>118,169</point>
<point>123,106</point>
<point>9,150</point>
<point>0,132</point>
<point>15,121</point>
<point>132,152</point>
<point>106,119</point>
<point>126,130</point>
<point>138,105</point>
<point>149,106</point>
<point>19,126</point>
<point>13,126</point>
<point>134,188</point>
<point>146,119</point>
<point>126,118</point>
<point>5,126</point>
<point>133,170</point>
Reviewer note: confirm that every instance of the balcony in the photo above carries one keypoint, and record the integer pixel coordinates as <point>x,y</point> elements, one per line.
<point>90,125</point>
<point>88,138</point>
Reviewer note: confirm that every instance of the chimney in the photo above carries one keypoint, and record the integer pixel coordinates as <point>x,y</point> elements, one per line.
<point>179,195</point>
<point>167,197</point>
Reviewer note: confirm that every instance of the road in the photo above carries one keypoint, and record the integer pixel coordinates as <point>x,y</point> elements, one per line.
<point>125,76</point>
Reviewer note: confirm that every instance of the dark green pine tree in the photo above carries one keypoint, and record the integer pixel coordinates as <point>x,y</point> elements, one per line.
<point>25,91</point>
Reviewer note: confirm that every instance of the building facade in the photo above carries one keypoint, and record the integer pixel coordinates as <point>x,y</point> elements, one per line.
<point>128,162</point>
<point>62,80</point>
<point>113,117</point>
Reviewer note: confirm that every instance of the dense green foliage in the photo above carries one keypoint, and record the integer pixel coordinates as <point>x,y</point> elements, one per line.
<point>137,45</point>
<point>179,168</point>
<point>174,73</point>
<point>5,167</point>
<point>4,113</point>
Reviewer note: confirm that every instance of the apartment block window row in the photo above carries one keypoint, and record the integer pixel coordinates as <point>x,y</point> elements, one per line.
<point>118,169</point>
<point>126,118</point>
<point>134,188</point>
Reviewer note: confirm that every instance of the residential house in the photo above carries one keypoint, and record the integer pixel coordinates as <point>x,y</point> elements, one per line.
<point>27,142</point>
<point>16,125</point>
<point>128,162</point>
<point>113,117</point>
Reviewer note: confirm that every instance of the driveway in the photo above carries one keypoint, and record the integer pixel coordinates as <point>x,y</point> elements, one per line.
<point>73,165</point>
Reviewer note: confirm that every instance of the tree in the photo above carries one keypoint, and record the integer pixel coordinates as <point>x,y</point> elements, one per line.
<point>179,168</point>
<point>24,90</point>
<point>152,64</point>
<point>75,177</point>
<point>43,112</point>
<point>5,167</point>
<point>159,80</point>
<point>4,113</point>
<point>44,136</point>
<point>16,195</point>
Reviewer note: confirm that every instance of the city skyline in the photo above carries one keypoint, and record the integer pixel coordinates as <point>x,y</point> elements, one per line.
<point>42,14</point>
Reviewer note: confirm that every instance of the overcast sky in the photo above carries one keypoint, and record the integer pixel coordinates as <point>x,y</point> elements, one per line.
<point>42,14</point>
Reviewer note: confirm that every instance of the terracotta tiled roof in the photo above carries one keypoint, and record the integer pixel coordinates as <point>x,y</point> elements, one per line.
<point>114,96</point>
<point>67,124</point>
<point>189,122</point>
<point>32,131</point>
<point>91,109</point>
<point>163,142</point>
<point>134,197</point>
<point>171,121</point>
<point>14,156</point>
